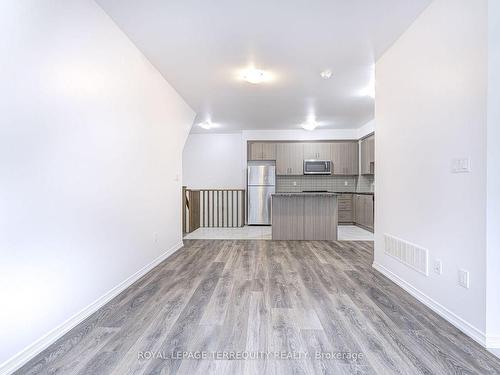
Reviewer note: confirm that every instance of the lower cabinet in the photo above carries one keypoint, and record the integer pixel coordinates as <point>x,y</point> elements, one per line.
<point>304,217</point>
<point>345,209</point>
<point>363,210</point>
<point>287,217</point>
<point>319,218</point>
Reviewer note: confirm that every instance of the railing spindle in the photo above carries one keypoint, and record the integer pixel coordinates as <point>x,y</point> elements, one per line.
<point>218,208</point>
<point>237,208</point>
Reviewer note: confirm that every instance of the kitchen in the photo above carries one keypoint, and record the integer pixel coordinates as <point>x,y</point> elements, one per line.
<point>339,174</point>
<point>246,170</point>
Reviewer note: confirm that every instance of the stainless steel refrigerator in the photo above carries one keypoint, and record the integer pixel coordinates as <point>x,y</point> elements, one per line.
<point>261,184</point>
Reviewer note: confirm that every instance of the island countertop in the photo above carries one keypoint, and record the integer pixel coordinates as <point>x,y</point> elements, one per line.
<point>304,216</point>
<point>308,194</point>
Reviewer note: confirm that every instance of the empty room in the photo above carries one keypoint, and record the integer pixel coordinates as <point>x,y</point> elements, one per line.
<point>249,187</point>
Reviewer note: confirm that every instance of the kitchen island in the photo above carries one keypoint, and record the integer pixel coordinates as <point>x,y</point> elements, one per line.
<point>304,216</point>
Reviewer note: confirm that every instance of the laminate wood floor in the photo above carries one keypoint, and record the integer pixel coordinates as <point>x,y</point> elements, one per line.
<point>320,303</point>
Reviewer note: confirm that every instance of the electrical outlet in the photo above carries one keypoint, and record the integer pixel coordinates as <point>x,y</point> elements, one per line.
<point>438,267</point>
<point>463,278</point>
<point>295,183</point>
<point>461,165</point>
<point>346,183</point>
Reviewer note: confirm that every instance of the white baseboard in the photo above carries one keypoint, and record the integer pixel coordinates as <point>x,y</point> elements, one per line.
<point>44,342</point>
<point>492,342</point>
<point>471,331</point>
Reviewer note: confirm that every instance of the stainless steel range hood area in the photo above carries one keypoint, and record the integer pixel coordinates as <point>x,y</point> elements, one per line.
<point>317,167</point>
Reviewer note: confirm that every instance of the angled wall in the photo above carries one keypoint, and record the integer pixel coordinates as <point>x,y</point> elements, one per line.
<point>431,107</point>
<point>91,140</point>
<point>493,187</point>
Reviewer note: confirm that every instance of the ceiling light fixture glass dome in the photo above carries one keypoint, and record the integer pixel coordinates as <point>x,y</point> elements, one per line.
<point>254,76</point>
<point>207,125</point>
<point>326,74</point>
<point>309,125</point>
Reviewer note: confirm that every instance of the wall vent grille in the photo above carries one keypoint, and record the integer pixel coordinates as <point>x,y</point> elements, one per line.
<point>413,256</point>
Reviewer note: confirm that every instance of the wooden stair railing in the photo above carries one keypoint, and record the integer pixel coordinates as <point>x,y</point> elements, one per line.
<point>213,208</point>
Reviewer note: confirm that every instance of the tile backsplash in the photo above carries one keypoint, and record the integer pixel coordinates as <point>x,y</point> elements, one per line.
<point>366,184</point>
<point>330,183</point>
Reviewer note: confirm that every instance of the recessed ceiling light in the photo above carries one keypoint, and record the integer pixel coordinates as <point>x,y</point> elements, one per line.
<point>326,74</point>
<point>310,125</point>
<point>255,76</point>
<point>207,125</point>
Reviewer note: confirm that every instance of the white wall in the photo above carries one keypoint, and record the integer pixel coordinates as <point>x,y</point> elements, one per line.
<point>493,188</point>
<point>91,140</point>
<point>299,134</point>
<point>366,129</point>
<point>430,108</point>
<point>219,160</point>
<point>213,161</point>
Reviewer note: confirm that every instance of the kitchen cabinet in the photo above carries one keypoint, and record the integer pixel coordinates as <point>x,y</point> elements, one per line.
<point>262,151</point>
<point>289,159</point>
<point>269,151</point>
<point>317,151</point>
<point>363,211</point>
<point>320,218</point>
<point>345,209</point>
<point>289,156</point>
<point>345,158</point>
<point>367,146</point>
<point>298,216</point>
<point>288,217</point>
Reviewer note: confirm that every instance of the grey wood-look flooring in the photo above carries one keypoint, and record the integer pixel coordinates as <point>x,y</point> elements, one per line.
<point>214,297</point>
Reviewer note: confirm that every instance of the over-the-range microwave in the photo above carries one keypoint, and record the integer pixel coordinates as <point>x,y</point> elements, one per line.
<point>317,167</point>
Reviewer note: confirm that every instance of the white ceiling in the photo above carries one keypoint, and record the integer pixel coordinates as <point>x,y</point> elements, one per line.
<point>200,45</point>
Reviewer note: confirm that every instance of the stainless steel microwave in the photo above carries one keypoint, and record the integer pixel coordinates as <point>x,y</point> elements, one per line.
<point>317,167</point>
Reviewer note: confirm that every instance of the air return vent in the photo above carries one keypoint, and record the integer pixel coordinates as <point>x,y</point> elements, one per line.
<point>407,253</point>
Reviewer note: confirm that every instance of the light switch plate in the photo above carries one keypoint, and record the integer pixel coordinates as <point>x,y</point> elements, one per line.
<point>461,165</point>
<point>463,278</point>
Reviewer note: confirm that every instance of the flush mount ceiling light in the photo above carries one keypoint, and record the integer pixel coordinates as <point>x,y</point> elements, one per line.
<point>255,76</point>
<point>326,74</point>
<point>310,125</point>
<point>207,125</point>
